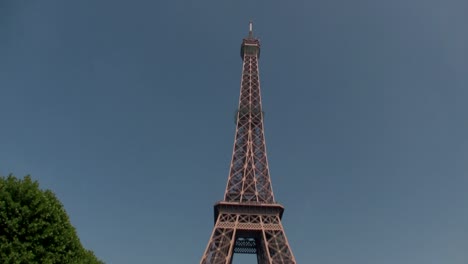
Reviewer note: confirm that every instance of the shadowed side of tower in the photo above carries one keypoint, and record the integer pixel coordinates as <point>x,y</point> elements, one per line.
<point>248,220</point>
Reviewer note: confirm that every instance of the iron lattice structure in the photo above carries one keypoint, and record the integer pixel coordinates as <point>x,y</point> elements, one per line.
<point>248,220</point>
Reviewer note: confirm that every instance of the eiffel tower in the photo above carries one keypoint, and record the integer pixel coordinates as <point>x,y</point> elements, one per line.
<point>248,220</point>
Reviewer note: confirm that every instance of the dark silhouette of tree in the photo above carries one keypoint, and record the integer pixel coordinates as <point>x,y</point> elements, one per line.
<point>34,227</point>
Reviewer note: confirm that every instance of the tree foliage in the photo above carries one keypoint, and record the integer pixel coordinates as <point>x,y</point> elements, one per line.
<point>34,227</point>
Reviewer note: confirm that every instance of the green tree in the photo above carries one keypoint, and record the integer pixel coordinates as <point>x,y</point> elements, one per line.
<point>34,227</point>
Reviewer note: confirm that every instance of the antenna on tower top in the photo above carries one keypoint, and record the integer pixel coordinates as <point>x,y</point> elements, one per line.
<point>250,29</point>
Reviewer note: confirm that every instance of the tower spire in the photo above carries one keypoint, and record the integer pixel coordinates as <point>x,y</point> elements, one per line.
<point>250,44</point>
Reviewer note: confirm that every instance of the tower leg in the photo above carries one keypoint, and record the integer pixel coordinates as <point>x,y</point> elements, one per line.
<point>221,245</point>
<point>278,249</point>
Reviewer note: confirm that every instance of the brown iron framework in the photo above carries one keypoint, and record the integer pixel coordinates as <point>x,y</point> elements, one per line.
<point>248,220</point>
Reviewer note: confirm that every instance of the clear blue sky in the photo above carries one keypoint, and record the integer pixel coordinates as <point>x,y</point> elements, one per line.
<point>125,109</point>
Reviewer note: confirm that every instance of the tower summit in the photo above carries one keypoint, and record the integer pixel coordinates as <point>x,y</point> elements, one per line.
<point>248,220</point>
<point>250,43</point>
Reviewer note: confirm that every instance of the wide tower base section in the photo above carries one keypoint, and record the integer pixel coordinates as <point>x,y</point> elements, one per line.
<point>248,229</point>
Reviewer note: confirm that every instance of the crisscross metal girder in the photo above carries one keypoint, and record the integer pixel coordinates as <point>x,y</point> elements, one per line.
<point>248,221</point>
<point>249,176</point>
<point>248,233</point>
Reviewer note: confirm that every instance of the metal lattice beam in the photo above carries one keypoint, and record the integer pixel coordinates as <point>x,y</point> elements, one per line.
<point>248,221</point>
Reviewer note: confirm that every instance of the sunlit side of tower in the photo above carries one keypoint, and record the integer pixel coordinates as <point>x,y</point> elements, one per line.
<point>248,220</point>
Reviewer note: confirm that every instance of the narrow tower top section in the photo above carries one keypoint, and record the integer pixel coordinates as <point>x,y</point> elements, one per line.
<point>250,45</point>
